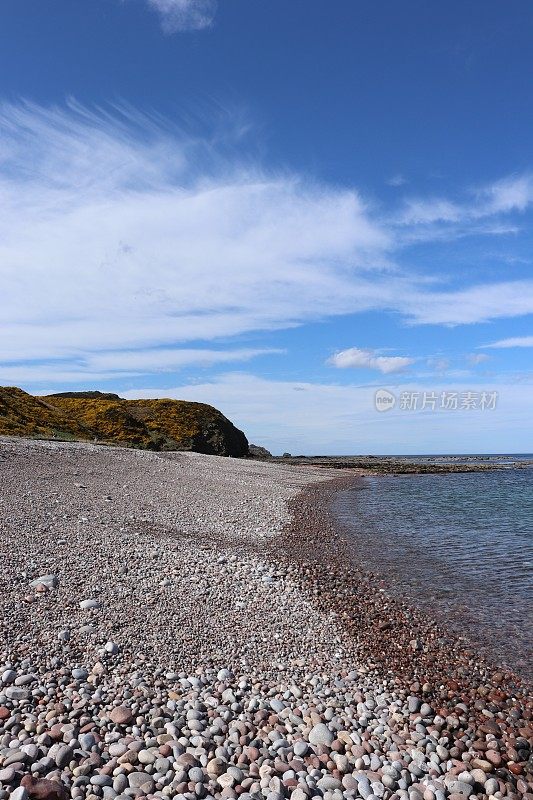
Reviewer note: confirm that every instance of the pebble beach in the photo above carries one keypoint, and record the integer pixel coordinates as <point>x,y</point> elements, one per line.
<point>189,626</point>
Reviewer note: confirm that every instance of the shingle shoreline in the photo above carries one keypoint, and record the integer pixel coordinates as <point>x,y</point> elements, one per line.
<point>222,654</point>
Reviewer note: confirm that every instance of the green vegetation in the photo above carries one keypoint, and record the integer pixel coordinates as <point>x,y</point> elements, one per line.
<point>147,424</point>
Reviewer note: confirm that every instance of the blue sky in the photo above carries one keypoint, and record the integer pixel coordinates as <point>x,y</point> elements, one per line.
<point>277,208</point>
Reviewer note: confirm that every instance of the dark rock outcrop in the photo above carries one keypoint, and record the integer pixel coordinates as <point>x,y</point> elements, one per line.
<point>256,451</point>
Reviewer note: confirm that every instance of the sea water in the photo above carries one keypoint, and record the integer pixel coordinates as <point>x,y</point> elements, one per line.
<point>460,546</point>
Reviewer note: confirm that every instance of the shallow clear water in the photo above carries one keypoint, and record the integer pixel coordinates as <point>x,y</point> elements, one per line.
<point>457,545</point>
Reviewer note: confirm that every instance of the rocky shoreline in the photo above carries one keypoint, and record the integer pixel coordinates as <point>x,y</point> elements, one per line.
<point>171,630</point>
<point>396,465</point>
<point>399,642</point>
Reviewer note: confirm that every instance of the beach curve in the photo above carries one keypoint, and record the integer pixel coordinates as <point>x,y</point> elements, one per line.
<point>190,632</point>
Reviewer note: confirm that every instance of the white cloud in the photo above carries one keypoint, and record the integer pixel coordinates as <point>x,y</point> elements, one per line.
<point>514,341</point>
<point>121,232</point>
<point>170,360</point>
<point>477,358</point>
<point>354,357</point>
<point>185,15</point>
<point>479,303</point>
<point>106,365</point>
<point>424,211</point>
<point>112,239</point>
<point>512,193</point>
<point>397,180</point>
<point>328,418</point>
<point>439,364</point>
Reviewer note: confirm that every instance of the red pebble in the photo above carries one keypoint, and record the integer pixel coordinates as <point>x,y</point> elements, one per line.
<point>55,731</point>
<point>42,789</point>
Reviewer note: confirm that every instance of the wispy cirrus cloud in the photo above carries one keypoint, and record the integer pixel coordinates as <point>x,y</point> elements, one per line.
<point>478,303</point>
<point>120,232</point>
<point>513,341</point>
<point>397,180</point>
<point>185,15</point>
<point>439,364</point>
<point>510,194</point>
<point>133,244</point>
<point>356,358</point>
<point>477,358</point>
<point>117,365</point>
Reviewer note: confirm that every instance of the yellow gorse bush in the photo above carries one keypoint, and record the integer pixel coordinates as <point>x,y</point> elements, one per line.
<point>149,424</point>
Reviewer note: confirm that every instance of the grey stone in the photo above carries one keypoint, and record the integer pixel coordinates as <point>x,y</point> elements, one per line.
<point>120,783</point>
<point>138,780</point>
<point>87,628</point>
<point>300,748</point>
<point>297,794</point>
<point>7,775</point>
<point>16,693</point>
<point>328,783</point>
<point>459,787</point>
<point>117,749</point>
<point>226,780</point>
<point>8,676</point>
<point>413,703</point>
<point>236,773</point>
<point>90,603</point>
<point>24,680</point>
<point>375,762</point>
<point>15,757</point>
<point>364,789</point>
<point>19,794</point>
<point>162,765</point>
<point>146,757</point>
<point>389,782</point>
<point>101,780</point>
<point>321,734</point>
<point>50,581</point>
<point>87,741</point>
<point>63,756</point>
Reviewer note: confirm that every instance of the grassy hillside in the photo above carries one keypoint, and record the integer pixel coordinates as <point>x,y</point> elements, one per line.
<point>148,424</point>
<point>22,414</point>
